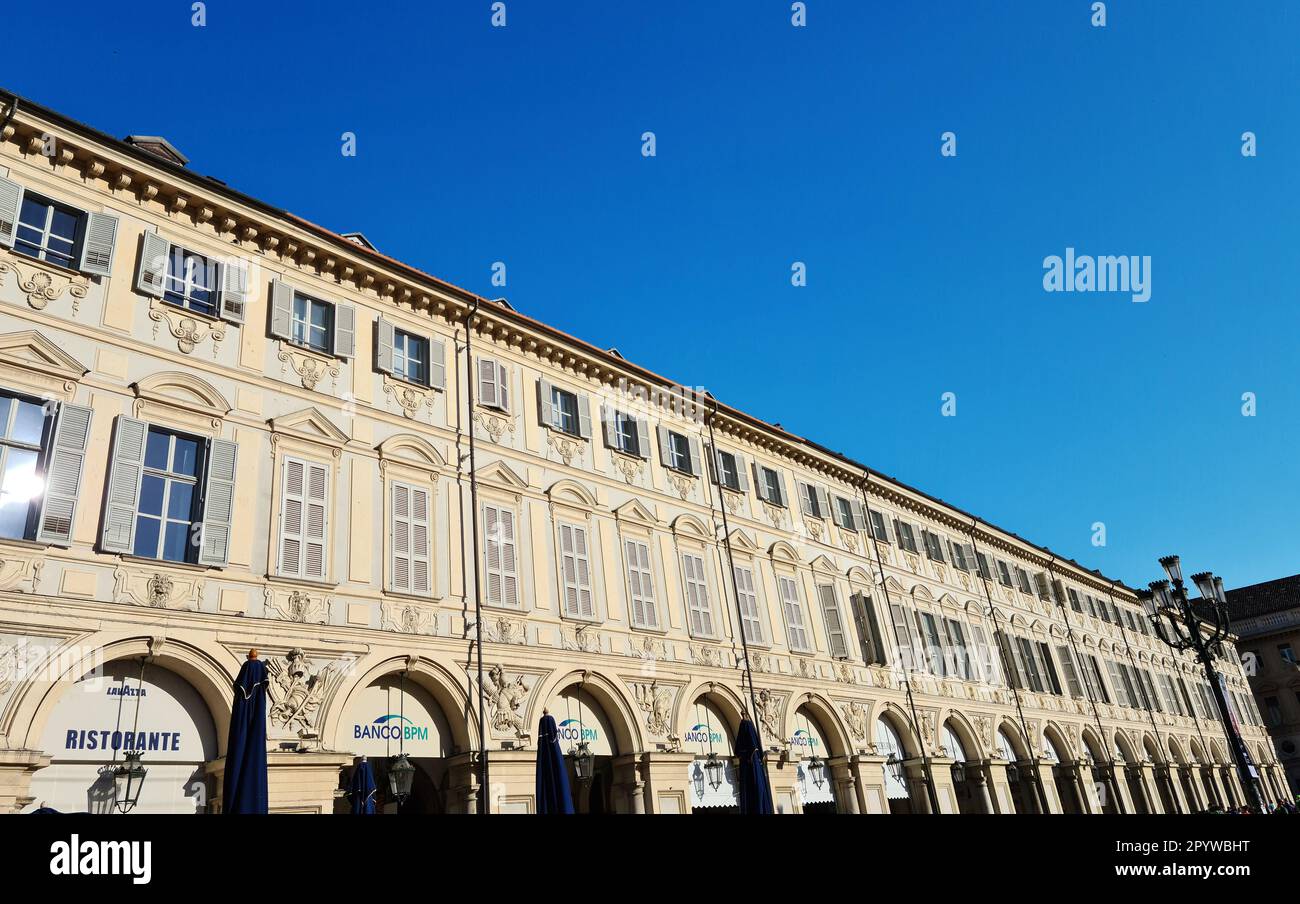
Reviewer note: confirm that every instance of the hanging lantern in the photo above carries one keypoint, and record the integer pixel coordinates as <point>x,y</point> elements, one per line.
<point>959,772</point>
<point>128,779</point>
<point>817,769</point>
<point>716,769</point>
<point>584,762</point>
<point>401,775</point>
<point>1013,773</point>
<point>895,765</point>
<point>697,777</point>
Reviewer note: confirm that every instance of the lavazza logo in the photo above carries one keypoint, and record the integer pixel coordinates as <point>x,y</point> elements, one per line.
<point>103,858</point>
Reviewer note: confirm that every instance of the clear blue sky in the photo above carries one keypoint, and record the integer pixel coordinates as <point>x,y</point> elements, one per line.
<point>819,144</point>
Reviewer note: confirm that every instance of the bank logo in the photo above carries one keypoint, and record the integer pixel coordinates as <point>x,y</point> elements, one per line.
<point>702,734</point>
<point>803,739</point>
<point>390,727</point>
<point>573,730</point>
<point>103,858</point>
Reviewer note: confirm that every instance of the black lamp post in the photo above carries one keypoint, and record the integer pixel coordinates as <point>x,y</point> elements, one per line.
<point>1199,625</point>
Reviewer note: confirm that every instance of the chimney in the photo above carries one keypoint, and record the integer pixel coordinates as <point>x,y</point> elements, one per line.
<point>159,147</point>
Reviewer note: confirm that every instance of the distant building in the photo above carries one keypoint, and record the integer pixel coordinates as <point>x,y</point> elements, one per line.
<point>1266,618</point>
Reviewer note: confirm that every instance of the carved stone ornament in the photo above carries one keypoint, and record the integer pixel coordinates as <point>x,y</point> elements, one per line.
<point>581,639</point>
<point>913,563</point>
<point>297,606</point>
<point>409,398</point>
<point>850,540</point>
<point>43,285</point>
<point>566,448</point>
<point>806,668</point>
<point>657,704</point>
<point>855,717</point>
<point>21,571</point>
<point>940,572</point>
<point>844,673</point>
<point>504,630</point>
<point>494,425</point>
<point>814,527</point>
<point>769,715</point>
<point>649,648</point>
<point>157,591</point>
<point>297,693</point>
<point>408,618</point>
<point>705,654</point>
<point>929,725</point>
<point>629,467</point>
<point>732,501</point>
<point>681,483</point>
<point>188,329</point>
<point>760,662</point>
<point>984,728</point>
<point>309,367</point>
<point>774,513</point>
<point>504,696</point>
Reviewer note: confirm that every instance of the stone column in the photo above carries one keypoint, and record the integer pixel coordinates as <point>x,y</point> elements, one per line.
<point>916,784</point>
<point>995,772</point>
<point>512,780</point>
<point>667,781</point>
<point>296,782</point>
<point>977,779</point>
<point>1169,774</point>
<point>869,781</point>
<point>1085,786</point>
<point>846,785</point>
<point>629,786</point>
<point>16,770</point>
<point>1041,773</point>
<point>944,789</point>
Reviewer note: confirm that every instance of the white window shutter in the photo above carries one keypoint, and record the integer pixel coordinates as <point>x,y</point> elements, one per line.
<point>760,485</point>
<point>696,458</point>
<point>492,553</point>
<point>63,476</point>
<point>98,243</point>
<point>400,537</point>
<point>584,416</point>
<point>487,383</point>
<point>741,476</point>
<point>316,523</point>
<point>292,503</point>
<point>608,434</point>
<point>509,575</point>
<point>437,362</point>
<point>780,485</point>
<point>665,446</point>
<point>503,387</point>
<point>385,338</point>
<point>345,331</point>
<point>642,438</point>
<point>805,498</point>
<point>839,647</point>
<point>421,554</point>
<point>118,534</point>
<point>823,500</point>
<point>545,410</point>
<point>11,202</point>
<point>281,310</point>
<point>151,272</point>
<point>218,504</point>
<point>859,519</point>
<point>234,290</point>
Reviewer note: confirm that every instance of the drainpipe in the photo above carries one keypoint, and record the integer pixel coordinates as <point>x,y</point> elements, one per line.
<point>926,766</point>
<point>484,797</point>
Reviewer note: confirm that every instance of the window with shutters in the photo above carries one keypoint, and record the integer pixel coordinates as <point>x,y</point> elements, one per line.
<point>935,659</point>
<point>313,323</point>
<point>679,453</point>
<point>906,536</point>
<point>411,357</point>
<point>1072,683</point>
<point>958,655</point>
<point>796,625</point>
<point>869,636</point>
<point>844,514</point>
<point>410,539</point>
<point>698,612</point>
<point>501,574</point>
<point>751,619</point>
<point>773,489</point>
<point>728,470</point>
<point>984,564</point>
<point>191,281</point>
<point>565,406</point>
<point>1075,603</point>
<point>169,497</point>
<point>49,231</point>
<point>1029,665</point>
<point>812,505</point>
<point>903,636</point>
<point>1022,580</point>
<point>24,428</point>
<point>1043,587</point>
<point>879,526</point>
<point>1051,682</point>
<point>1004,574</point>
<point>623,432</point>
<point>575,572</point>
<point>836,639</point>
<point>1092,675</point>
<point>933,545</point>
<point>304,518</point>
<point>640,584</point>
<point>493,384</point>
<point>960,559</point>
<point>985,664</point>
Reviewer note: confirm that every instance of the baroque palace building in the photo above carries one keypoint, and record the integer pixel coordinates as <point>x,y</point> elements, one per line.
<point>227,428</point>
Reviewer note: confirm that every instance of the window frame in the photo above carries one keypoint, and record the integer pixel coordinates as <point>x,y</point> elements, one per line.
<point>170,479</point>
<point>402,340</point>
<point>793,605</point>
<point>79,217</point>
<point>632,549</point>
<point>311,302</point>
<point>42,449</point>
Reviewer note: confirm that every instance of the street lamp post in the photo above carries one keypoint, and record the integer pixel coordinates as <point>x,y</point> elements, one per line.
<point>1199,625</point>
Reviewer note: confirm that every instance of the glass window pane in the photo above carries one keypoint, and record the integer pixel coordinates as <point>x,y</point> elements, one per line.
<point>146,537</point>
<point>186,458</point>
<point>180,504</point>
<point>33,213</point>
<point>156,449</point>
<point>20,486</point>
<point>29,424</point>
<point>64,224</point>
<point>151,495</point>
<point>176,543</point>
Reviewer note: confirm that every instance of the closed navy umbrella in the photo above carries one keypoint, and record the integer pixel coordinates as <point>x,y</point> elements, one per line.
<point>552,772</point>
<point>361,790</point>
<point>244,787</point>
<point>755,793</point>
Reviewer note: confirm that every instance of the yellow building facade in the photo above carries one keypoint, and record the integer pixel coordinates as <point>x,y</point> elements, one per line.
<point>228,428</point>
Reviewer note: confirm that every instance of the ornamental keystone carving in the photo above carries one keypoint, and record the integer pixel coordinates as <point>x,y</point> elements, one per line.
<point>774,513</point>
<point>850,540</point>
<point>297,606</point>
<point>504,630</point>
<point>296,693</point>
<point>855,717</point>
<point>408,397</point>
<point>408,618</point>
<point>504,698</point>
<point>984,729</point>
<point>629,467</point>
<point>43,286</point>
<point>310,368</point>
<point>657,703</point>
<point>732,501</point>
<point>156,591</point>
<point>581,639</point>
<point>566,448</point>
<point>769,715</point>
<point>814,527</point>
<point>494,425</point>
<point>188,330</point>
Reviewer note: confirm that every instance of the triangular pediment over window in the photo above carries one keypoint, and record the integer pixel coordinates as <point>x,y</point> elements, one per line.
<point>30,351</point>
<point>633,510</point>
<point>501,474</point>
<point>310,424</point>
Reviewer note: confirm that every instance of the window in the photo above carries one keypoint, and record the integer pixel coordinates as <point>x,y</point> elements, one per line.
<point>961,558</point>
<point>1028,664</point>
<point>750,619</point>
<point>493,384</point>
<point>22,436</point>
<point>986,668</point>
<point>906,536</point>
<point>1048,668</point>
<point>848,514</point>
<point>1071,672</point>
<point>195,282</point>
<point>1092,678</point>
<point>190,282</point>
<point>677,451</point>
<point>958,658</point>
<point>312,323</point>
<point>810,501</point>
<point>1075,604</point>
<point>728,471</point>
<point>934,658</point>
<point>1288,655</point>
<point>303,519</point>
<point>697,596</point>
<point>410,539</point>
<point>411,357</point>
<point>624,432</point>
<point>575,572</point>
<point>984,564</point>
<point>864,614</point>
<point>1004,574</point>
<point>879,526</point>
<point>1022,580</point>
<point>168,497</point>
<point>933,545</point>
<point>903,636</point>
<point>48,231</point>
<point>1044,588</point>
<point>835,638</point>
<point>640,584</point>
<point>771,486</point>
<point>796,627</point>
<point>499,552</point>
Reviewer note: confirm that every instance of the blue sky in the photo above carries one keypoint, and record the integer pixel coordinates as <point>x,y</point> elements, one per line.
<point>820,144</point>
